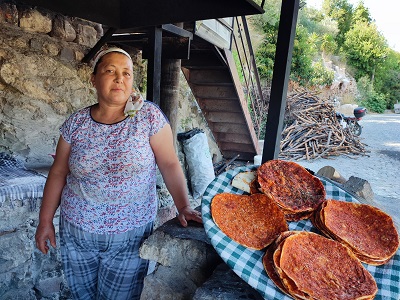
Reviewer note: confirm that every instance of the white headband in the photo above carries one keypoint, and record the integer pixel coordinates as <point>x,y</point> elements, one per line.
<point>106,51</point>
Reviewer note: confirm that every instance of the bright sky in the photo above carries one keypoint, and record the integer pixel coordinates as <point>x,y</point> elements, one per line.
<point>386,14</point>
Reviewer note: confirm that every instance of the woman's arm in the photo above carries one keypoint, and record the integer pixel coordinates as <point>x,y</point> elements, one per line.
<point>171,170</point>
<point>51,197</point>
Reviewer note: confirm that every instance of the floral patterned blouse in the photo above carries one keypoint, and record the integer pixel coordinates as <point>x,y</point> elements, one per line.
<point>111,187</point>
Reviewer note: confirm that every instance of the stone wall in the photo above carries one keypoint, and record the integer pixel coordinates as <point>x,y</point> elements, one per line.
<point>188,267</point>
<point>42,81</point>
<point>41,78</point>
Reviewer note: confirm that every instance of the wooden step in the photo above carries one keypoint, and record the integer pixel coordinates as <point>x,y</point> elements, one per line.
<point>220,96</point>
<point>204,76</point>
<point>229,105</point>
<point>214,92</point>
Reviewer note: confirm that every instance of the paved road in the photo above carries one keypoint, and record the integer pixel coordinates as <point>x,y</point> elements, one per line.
<point>381,168</point>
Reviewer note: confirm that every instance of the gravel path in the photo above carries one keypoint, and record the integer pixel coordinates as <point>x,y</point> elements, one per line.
<point>381,167</point>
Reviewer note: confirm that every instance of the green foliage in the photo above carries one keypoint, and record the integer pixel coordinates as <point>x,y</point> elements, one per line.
<point>340,33</point>
<point>328,44</point>
<point>372,100</point>
<point>321,76</point>
<point>342,12</point>
<point>365,48</point>
<point>238,66</point>
<point>387,78</point>
<point>375,102</point>
<point>318,25</point>
<point>265,54</point>
<point>310,18</point>
<point>303,52</point>
<point>361,14</point>
<point>303,69</point>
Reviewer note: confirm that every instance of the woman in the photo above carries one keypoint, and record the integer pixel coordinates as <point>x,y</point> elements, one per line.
<point>104,179</point>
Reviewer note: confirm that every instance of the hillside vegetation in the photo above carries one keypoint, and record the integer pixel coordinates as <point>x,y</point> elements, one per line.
<point>338,34</point>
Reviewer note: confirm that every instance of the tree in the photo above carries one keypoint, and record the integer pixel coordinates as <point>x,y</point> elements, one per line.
<point>321,75</point>
<point>361,14</point>
<point>365,49</point>
<point>265,55</point>
<point>267,25</point>
<point>317,22</point>
<point>328,45</point>
<point>368,97</point>
<point>342,12</point>
<point>387,78</point>
<point>302,61</point>
<point>303,69</point>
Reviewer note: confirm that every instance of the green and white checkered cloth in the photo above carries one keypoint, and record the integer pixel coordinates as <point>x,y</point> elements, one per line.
<point>247,263</point>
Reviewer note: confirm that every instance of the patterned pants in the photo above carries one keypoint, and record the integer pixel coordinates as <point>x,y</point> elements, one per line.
<point>100,266</point>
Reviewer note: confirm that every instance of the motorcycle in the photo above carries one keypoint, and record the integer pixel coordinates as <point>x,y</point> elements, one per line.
<point>352,122</point>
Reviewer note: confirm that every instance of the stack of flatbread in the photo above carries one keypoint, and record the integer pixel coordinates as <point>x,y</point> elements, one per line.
<point>306,265</point>
<point>367,231</point>
<point>253,221</point>
<point>302,264</point>
<point>295,190</point>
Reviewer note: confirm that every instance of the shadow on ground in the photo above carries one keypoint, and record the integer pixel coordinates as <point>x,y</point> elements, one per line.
<point>391,153</point>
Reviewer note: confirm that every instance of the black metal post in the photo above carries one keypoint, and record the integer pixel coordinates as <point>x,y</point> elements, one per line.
<point>154,65</point>
<point>280,79</point>
<point>103,40</point>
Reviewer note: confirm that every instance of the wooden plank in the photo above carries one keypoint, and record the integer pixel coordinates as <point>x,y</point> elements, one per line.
<point>241,96</point>
<point>224,117</point>
<point>131,14</point>
<point>229,127</point>
<point>214,92</point>
<point>233,137</point>
<point>237,147</point>
<point>204,57</point>
<point>209,76</point>
<point>222,105</point>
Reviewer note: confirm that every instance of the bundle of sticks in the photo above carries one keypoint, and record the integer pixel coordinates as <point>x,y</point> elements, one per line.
<point>311,130</point>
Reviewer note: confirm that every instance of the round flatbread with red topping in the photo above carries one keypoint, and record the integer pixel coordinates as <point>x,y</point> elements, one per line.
<point>269,264</point>
<point>306,265</point>
<point>253,221</point>
<point>297,192</point>
<point>368,231</point>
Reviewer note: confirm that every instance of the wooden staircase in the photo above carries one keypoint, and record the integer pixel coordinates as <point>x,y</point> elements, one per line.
<point>213,78</point>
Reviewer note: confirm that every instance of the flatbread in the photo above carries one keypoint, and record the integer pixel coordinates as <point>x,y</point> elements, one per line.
<point>255,186</point>
<point>369,232</point>
<point>253,221</point>
<point>243,180</point>
<point>296,191</point>
<point>268,261</point>
<point>310,266</point>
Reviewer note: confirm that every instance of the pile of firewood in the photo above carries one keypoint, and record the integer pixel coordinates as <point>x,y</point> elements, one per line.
<point>311,130</point>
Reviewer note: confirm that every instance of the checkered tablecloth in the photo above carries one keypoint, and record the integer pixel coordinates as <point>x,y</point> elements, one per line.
<point>247,263</point>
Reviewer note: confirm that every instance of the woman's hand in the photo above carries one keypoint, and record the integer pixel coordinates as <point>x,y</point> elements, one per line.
<point>187,213</point>
<point>44,233</point>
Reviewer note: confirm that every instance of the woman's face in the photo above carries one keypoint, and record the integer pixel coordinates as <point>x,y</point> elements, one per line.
<point>113,79</point>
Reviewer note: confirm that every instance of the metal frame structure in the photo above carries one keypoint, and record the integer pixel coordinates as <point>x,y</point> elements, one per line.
<point>280,79</point>
<point>158,17</point>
